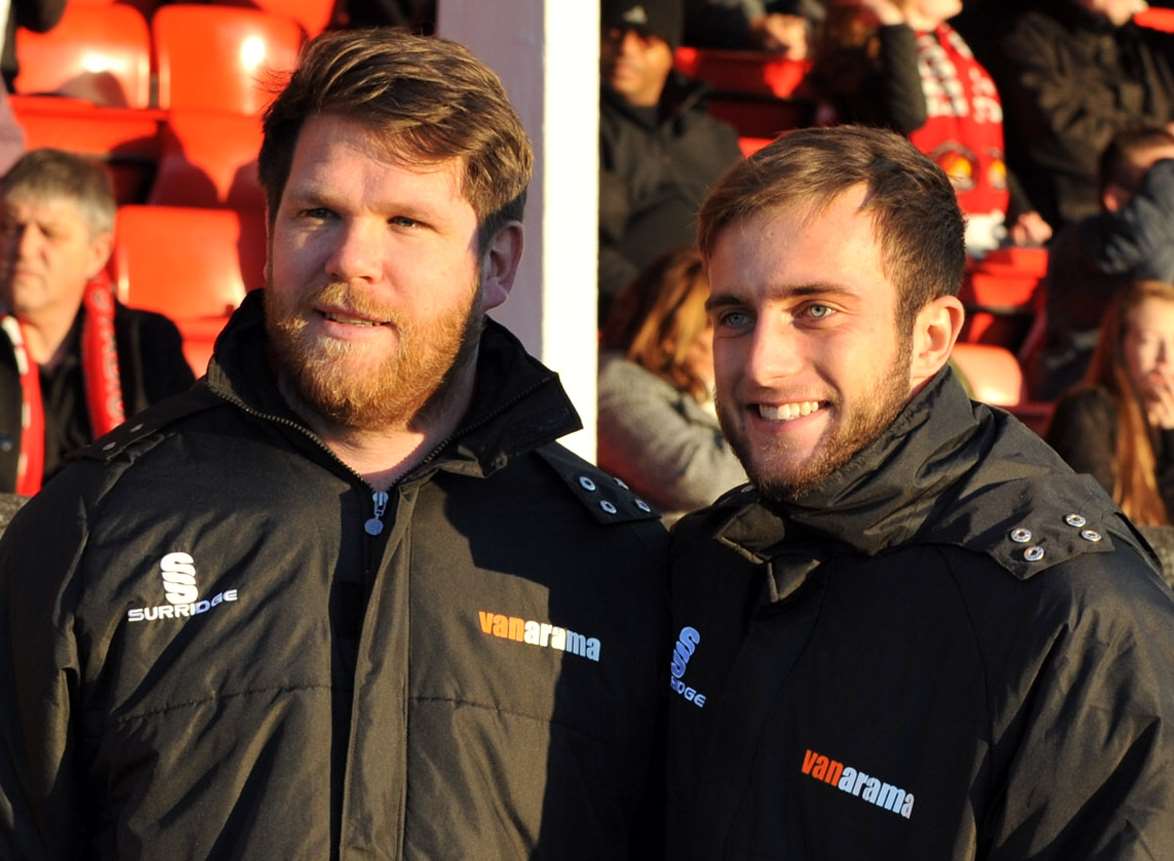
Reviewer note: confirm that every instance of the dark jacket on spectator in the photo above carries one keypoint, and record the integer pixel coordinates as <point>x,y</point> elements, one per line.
<point>1069,82</point>
<point>954,648</point>
<point>37,15</point>
<point>151,367</point>
<point>1084,433</point>
<point>1089,264</point>
<point>655,165</point>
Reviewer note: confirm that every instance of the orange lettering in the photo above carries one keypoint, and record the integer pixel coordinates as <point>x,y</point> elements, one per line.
<point>809,760</point>
<point>486,621</point>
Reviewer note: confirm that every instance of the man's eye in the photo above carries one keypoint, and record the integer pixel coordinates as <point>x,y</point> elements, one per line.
<point>403,221</point>
<point>318,213</point>
<point>818,312</point>
<point>733,320</point>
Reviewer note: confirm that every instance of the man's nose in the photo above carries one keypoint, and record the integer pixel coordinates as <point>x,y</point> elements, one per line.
<point>357,253</point>
<point>775,353</point>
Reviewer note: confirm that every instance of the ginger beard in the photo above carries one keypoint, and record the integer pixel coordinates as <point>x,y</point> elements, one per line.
<point>859,422</point>
<point>394,391</point>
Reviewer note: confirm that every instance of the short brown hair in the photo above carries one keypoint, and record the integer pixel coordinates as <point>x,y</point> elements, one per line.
<point>657,317</point>
<point>914,208</point>
<point>1118,164</point>
<point>55,173</point>
<point>430,98</point>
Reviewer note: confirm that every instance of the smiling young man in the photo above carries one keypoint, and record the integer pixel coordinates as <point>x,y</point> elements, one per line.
<point>915,633</point>
<point>346,598</point>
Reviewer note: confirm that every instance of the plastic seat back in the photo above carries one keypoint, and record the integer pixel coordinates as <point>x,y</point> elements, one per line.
<point>220,58</point>
<point>209,160</point>
<point>98,53</point>
<point>993,373</point>
<point>312,16</point>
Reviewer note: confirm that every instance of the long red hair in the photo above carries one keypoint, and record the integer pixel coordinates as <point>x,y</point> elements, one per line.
<point>1135,486</point>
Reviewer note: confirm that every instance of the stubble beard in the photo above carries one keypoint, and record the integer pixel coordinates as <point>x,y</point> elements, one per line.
<point>398,391</point>
<point>863,426</point>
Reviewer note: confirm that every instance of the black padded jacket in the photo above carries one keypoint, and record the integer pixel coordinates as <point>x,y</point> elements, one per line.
<point>955,649</point>
<point>215,642</point>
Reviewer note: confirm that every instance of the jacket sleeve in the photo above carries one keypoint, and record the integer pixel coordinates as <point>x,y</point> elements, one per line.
<point>39,675</point>
<point>902,97</point>
<point>1133,239</point>
<point>1085,768</point>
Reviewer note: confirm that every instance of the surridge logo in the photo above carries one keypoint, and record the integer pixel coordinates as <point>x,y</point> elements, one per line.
<point>539,634</point>
<point>855,782</point>
<point>687,642</point>
<point>179,588</point>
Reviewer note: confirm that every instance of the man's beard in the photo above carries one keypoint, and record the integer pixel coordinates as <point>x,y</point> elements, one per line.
<point>861,427</point>
<point>397,391</point>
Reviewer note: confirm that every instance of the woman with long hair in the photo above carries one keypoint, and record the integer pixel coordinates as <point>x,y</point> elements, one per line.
<point>1119,426</point>
<point>657,428</point>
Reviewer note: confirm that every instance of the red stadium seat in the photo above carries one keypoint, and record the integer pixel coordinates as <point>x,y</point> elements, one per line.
<point>126,140</point>
<point>1156,19</point>
<point>209,160</point>
<point>194,265</point>
<point>743,71</point>
<point>312,15</point>
<point>750,146</point>
<point>993,373</point>
<point>1000,295</point>
<point>98,53</point>
<point>218,58</point>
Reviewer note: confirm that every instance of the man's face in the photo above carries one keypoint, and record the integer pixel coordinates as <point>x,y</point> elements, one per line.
<point>49,253</point>
<point>635,65</point>
<point>809,361</point>
<point>373,278</point>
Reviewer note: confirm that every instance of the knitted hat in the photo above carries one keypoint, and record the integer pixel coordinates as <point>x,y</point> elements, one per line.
<point>663,18</point>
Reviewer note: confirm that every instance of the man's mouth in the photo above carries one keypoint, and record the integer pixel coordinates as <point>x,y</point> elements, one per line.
<point>787,412</point>
<point>348,319</point>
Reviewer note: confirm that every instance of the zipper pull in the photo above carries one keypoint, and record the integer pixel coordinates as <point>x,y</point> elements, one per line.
<point>374,526</point>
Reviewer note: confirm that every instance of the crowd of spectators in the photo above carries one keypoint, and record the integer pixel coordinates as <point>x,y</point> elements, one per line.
<point>1053,120</point>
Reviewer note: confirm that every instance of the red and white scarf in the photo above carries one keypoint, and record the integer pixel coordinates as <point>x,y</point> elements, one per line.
<point>99,368</point>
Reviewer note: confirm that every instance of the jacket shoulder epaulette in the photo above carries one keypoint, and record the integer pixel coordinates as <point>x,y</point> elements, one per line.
<point>150,421</point>
<point>1028,526</point>
<point>607,499</point>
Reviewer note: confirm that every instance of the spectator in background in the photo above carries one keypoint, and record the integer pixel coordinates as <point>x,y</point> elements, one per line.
<point>73,361</point>
<point>1091,262</point>
<point>658,429</point>
<point>1074,73</point>
<point>1119,428</point>
<point>659,149</point>
<point>782,26</point>
<point>899,65</point>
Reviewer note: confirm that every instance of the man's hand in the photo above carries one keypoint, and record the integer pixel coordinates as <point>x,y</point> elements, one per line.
<point>781,34</point>
<point>1158,393</point>
<point>1030,229</point>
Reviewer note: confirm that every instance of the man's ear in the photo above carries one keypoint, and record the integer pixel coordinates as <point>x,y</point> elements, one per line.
<point>101,247</point>
<point>499,264</point>
<point>935,330</point>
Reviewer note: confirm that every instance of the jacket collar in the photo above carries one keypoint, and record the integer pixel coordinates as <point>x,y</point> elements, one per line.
<point>680,96</point>
<point>518,404</point>
<point>946,471</point>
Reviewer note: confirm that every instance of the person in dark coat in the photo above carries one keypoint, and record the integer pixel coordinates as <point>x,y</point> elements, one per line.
<point>346,597</point>
<point>1090,263</point>
<point>74,362</point>
<point>915,633</point>
<point>1074,73</point>
<point>659,149</point>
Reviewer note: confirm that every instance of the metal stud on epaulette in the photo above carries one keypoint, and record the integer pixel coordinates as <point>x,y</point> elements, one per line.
<point>1020,535</point>
<point>1090,535</point>
<point>607,506</point>
<point>1076,521</point>
<point>1034,553</point>
<point>587,484</point>
<point>643,506</point>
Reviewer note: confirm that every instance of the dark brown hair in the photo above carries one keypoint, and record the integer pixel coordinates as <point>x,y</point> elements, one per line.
<point>429,98</point>
<point>914,209</point>
<point>1118,163</point>
<point>657,317</point>
<point>1135,484</point>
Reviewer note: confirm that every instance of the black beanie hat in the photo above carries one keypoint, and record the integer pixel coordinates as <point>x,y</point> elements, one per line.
<point>663,18</point>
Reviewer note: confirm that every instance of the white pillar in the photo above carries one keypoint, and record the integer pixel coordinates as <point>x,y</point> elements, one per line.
<point>547,53</point>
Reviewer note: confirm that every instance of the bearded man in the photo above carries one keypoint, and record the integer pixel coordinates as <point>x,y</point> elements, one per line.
<point>347,598</point>
<point>915,633</point>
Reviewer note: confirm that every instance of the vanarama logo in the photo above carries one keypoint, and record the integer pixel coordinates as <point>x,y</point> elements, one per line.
<point>539,634</point>
<point>864,786</point>
<point>181,592</point>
